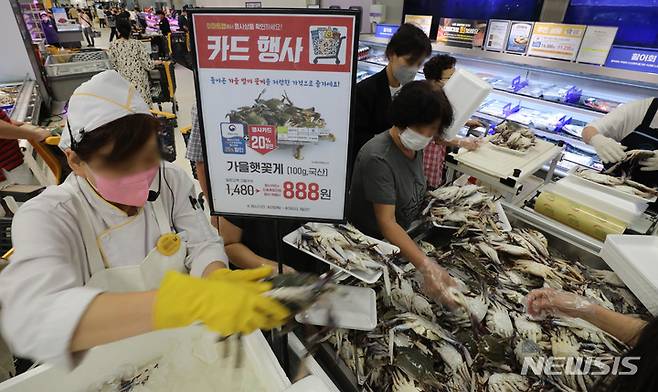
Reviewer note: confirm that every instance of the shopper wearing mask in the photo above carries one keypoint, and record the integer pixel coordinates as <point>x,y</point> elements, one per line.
<point>121,222</point>
<point>388,184</point>
<point>632,126</point>
<point>406,51</point>
<point>637,333</point>
<point>438,71</point>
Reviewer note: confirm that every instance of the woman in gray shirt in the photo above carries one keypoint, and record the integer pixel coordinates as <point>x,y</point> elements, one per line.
<point>388,183</point>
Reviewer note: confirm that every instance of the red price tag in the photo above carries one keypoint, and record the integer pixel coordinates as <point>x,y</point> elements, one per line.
<point>262,138</point>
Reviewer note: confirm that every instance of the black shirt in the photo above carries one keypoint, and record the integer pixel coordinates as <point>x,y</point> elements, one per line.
<point>373,99</point>
<point>384,175</point>
<point>164,26</point>
<point>182,22</point>
<point>123,15</point>
<point>258,235</point>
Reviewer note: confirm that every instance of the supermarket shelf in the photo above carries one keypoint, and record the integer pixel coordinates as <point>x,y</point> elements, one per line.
<point>558,67</point>
<point>560,106</point>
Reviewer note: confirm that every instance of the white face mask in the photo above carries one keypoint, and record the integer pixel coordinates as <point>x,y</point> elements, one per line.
<point>405,74</point>
<point>414,140</point>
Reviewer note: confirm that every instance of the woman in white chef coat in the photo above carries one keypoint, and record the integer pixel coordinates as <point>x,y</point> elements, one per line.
<point>100,257</point>
<point>632,126</point>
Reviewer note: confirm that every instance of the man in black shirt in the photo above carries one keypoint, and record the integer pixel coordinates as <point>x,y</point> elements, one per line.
<point>406,52</point>
<point>164,24</point>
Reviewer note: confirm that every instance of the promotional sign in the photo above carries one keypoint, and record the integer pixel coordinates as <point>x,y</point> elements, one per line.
<point>633,59</point>
<point>596,44</point>
<point>464,33</point>
<point>497,35</point>
<point>61,18</point>
<point>253,4</point>
<point>383,30</point>
<point>519,37</point>
<point>423,22</point>
<point>556,40</point>
<point>274,96</point>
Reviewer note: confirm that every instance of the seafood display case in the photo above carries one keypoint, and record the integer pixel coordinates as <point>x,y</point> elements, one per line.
<point>68,71</point>
<point>554,98</point>
<point>447,351</point>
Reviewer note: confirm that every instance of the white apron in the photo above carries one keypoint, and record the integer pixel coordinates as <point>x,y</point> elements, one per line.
<point>169,254</point>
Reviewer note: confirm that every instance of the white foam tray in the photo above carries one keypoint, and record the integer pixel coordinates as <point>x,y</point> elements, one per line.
<point>350,307</point>
<point>294,238</point>
<point>635,259</point>
<point>502,218</point>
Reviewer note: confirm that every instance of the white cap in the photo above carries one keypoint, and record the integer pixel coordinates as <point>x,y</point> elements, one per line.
<point>106,97</point>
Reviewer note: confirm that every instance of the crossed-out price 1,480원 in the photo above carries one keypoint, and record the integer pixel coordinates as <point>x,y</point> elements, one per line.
<point>289,190</point>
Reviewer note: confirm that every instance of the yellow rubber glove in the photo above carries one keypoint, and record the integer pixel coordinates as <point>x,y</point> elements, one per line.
<point>244,275</point>
<point>226,307</point>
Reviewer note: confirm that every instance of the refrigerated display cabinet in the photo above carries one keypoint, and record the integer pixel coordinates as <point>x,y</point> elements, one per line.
<point>555,98</point>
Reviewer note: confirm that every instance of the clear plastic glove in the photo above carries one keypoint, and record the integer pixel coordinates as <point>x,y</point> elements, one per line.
<point>438,283</point>
<point>545,302</point>
<point>470,143</point>
<point>650,164</point>
<point>608,149</point>
<point>224,306</point>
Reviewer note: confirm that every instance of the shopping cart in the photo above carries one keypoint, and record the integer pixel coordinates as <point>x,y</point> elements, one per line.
<point>179,49</point>
<point>326,43</point>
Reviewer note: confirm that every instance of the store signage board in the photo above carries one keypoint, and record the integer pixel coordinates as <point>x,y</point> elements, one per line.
<point>596,44</point>
<point>519,37</point>
<point>423,22</point>
<point>633,59</point>
<point>274,94</point>
<point>556,40</point>
<point>383,30</point>
<point>497,33</point>
<point>253,4</point>
<point>465,33</point>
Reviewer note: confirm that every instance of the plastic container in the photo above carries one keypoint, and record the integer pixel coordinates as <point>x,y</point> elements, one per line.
<point>68,71</point>
<point>466,92</point>
<point>346,307</point>
<point>106,362</point>
<point>633,258</point>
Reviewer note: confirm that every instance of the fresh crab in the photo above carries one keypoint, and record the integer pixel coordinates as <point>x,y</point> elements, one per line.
<point>498,321</point>
<point>608,277</point>
<point>564,344</point>
<point>551,277</point>
<point>404,298</point>
<point>507,382</point>
<point>526,328</point>
<point>591,333</point>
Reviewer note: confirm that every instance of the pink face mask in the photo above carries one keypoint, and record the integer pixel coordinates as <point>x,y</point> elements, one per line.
<point>132,190</point>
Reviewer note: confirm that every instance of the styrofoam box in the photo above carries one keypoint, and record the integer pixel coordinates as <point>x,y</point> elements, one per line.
<point>635,259</point>
<point>349,307</point>
<point>102,363</point>
<point>466,92</point>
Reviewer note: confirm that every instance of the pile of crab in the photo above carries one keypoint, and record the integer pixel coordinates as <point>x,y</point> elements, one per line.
<point>421,346</point>
<point>466,207</point>
<point>343,245</point>
<point>619,175</point>
<point>513,136</point>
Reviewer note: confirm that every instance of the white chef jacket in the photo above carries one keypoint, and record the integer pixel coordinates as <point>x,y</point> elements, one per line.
<point>620,122</point>
<point>42,290</point>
